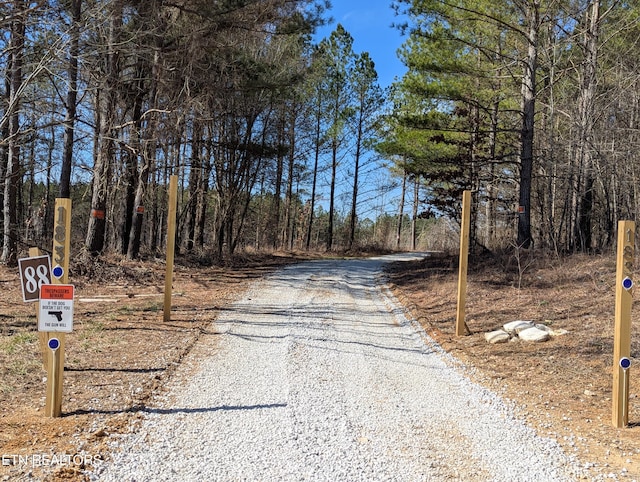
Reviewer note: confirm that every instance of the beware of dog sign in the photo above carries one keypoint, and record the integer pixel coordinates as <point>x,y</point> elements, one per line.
<point>56,308</point>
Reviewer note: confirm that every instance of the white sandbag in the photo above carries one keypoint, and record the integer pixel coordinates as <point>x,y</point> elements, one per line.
<point>515,327</point>
<point>498,336</point>
<point>534,334</point>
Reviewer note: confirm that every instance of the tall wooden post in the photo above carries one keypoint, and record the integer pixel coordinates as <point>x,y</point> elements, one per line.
<point>60,271</point>
<point>464,257</point>
<point>622,330</point>
<point>171,245</point>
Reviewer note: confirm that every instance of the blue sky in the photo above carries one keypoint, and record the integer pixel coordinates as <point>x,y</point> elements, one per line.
<point>369,23</point>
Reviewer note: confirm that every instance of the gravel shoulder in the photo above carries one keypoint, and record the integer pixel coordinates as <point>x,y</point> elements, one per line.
<point>317,374</point>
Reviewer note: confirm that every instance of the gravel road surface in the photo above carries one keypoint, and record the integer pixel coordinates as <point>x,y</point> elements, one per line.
<point>316,374</point>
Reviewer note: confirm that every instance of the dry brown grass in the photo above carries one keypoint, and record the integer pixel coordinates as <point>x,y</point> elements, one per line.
<point>120,352</point>
<point>563,386</point>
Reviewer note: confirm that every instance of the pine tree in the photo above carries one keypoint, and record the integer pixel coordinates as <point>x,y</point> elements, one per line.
<point>339,62</point>
<point>368,100</point>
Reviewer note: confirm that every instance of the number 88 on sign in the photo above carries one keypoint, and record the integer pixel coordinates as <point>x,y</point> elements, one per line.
<point>34,272</point>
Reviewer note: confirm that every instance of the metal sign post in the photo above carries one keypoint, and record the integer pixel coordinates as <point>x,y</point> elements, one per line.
<point>622,330</point>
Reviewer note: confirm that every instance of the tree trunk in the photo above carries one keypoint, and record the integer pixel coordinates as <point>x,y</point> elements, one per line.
<point>524,239</point>
<point>414,218</point>
<point>317,143</point>
<point>356,170</point>
<point>332,193</point>
<point>585,129</point>
<point>133,157</point>
<point>106,110</point>
<point>13,174</point>
<point>72,100</point>
<point>491,208</point>
<point>201,208</point>
<point>149,146</point>
<point>401,210</point>
<point>289,214</point>
<point>275,214</point>
<point>4,160</point>
<point>195,181</point>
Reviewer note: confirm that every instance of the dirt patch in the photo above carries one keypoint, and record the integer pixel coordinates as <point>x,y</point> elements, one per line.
<point>563,387</point>
<point>120,352</point>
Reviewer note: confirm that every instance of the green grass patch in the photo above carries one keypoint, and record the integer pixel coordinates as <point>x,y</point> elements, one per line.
<point>5,388</point>
<point>126,310</point>
<point>17,342</point>
<point>153,306</point>
<point>23,368</point>
<point>91,329</point>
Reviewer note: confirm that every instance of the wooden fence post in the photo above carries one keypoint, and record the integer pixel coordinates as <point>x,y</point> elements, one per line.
<point>464,257</point>
<point>622,329</point>
<point>171,245</point>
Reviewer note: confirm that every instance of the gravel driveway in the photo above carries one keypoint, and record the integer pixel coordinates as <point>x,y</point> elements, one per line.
<point>318,375</point>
